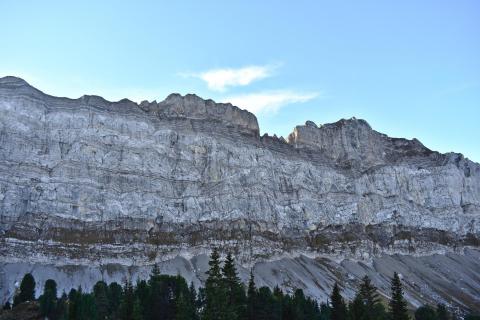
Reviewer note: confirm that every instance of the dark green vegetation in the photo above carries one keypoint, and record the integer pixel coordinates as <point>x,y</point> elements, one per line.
<point>224,297</point>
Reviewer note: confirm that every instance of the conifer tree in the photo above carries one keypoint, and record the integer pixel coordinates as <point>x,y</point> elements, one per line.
<point>193,300</point>
<point>397,304</point>
<point>235,293</point>
<point>264,306</point>
<point>368,292</point>
<point>367,305</point>
<point>73,305</point>
<point>251,297</point>
<point>114,299</point>
<point>339,309</point>
<point>278,298</point>
<point>88,308</point>
<point>356,308</point>
<point>142,293</point>
<point>215,300</point>
<point>27,290</point>
<point>100,294</point>
<point>62,310</point>
<point>127,304</point>
<point>48,300</point>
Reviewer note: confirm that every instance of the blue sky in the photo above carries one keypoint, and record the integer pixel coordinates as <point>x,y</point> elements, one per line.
<point>410,68</point>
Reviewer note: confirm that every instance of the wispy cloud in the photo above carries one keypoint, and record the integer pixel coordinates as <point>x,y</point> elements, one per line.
<point>221,79</point>
<point>269,102</point>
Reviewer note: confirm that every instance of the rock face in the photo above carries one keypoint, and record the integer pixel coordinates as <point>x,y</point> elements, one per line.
<point>93,185</point>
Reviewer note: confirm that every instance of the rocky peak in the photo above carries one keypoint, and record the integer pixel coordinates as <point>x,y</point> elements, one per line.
<point>352,143</point>
<point>193,107</point>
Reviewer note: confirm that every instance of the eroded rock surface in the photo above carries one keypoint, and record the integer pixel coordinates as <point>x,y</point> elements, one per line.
<point>91,183</point>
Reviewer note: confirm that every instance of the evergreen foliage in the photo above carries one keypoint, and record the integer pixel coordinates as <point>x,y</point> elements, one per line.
<point>215,291</point>
<point>127,302</point>
<point>397,304</point>
<point>366,305</point>
<point>339,309</point>
<point>100,294</point>
<point>27,290</point>
<point>48,300</point>
<point>425,313</point>
<point>251,297</point>
<point>234,291</point>
<point>224,297</point>
<point>442,312</point>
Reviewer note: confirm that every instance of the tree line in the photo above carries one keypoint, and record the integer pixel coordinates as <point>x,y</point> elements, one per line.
<point>224,297</point>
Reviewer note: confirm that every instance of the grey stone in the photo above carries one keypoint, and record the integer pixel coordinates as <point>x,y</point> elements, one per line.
<point>89,182</point>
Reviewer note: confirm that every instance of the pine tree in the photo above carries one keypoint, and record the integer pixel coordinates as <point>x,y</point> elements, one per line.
<point>62,307</point>
<point>278,298</point>
<point>27,290</point>
<point>356,309</point>
<point>368,293</point>
<point>339,309</point>
<point>88,308</point>
<point>48,300</point>
<point>251,297</point>
<point>127,303</point>
<point>193,300</point>
<point>114,299</point>
<point>299,305</point>
<point>73,304</point>
<point>367,305</point>
<point>142,293</point>
<point>235,292</point>
<point>264,306</point>
<point>397,304</point>
<point>215,300</point>
<point>100,294</point>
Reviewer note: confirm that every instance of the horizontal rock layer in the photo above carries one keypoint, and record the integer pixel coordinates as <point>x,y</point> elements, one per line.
<point>88,181</point>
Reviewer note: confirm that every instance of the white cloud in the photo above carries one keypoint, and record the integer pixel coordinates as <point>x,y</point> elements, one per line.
<point>221,79</point>
<point>269,102</point>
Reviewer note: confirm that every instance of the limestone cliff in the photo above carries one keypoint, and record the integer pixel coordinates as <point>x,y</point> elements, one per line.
<point>94,184</point>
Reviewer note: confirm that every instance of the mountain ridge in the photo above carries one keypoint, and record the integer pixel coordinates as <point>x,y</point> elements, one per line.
<point>174,98</point>
<point>110,187</point>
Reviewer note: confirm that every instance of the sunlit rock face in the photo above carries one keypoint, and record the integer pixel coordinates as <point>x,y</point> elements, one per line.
<point>91,183</point>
